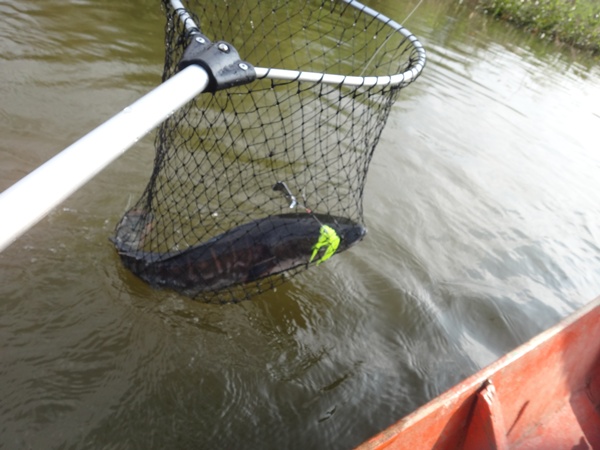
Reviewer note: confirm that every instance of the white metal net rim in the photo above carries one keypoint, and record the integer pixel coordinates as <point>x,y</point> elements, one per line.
<point>400,79</point>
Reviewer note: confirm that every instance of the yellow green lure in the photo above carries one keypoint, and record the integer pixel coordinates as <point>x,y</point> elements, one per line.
<point>329,239</point>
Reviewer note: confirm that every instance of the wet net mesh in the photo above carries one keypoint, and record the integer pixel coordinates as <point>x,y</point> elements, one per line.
<point>248,180</point>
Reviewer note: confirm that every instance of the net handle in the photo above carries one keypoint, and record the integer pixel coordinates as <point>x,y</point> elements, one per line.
<point>400,79</point>
<point>28,200</point>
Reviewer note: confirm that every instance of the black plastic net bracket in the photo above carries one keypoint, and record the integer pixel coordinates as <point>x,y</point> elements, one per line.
<point>220,60</point>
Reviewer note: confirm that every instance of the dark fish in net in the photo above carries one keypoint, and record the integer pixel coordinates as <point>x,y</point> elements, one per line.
<point>244,254</point>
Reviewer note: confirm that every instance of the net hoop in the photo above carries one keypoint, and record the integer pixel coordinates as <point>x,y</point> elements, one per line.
<point>262,177</point>
<point>399,79</point>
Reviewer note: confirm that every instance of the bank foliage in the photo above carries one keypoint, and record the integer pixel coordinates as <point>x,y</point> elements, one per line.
<point>576,22</point>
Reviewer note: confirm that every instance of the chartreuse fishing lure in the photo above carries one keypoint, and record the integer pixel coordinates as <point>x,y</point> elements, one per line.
<point>328,238</point>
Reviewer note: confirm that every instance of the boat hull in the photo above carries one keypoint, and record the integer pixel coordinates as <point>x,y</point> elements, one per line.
<point>543,395</point>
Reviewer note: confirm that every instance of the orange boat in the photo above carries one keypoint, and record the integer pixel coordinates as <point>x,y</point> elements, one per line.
<point>545,395</point>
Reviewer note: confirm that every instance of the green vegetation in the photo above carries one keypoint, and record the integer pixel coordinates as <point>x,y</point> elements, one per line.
<point>576,22</point>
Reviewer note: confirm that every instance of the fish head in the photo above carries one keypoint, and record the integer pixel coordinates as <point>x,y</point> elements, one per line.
<point>350,233</point>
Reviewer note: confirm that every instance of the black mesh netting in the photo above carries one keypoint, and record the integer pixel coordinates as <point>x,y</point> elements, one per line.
<point>217,220</point>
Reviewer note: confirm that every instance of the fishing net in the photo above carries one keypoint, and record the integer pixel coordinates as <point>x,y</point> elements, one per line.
<point>254,183</point>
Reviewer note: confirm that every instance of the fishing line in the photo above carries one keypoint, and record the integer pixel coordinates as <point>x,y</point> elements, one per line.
<point>381,47</point>
<point>282,187</point>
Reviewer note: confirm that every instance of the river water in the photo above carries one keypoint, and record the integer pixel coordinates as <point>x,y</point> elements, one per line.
<point>484,229</point>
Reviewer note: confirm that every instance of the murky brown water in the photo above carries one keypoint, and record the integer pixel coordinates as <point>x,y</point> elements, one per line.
<point>484,229</point>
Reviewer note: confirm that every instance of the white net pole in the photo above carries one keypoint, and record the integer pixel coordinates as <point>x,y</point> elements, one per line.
<point>30,199</point>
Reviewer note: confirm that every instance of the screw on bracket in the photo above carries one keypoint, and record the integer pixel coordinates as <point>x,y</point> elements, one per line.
<point>221,61</point>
